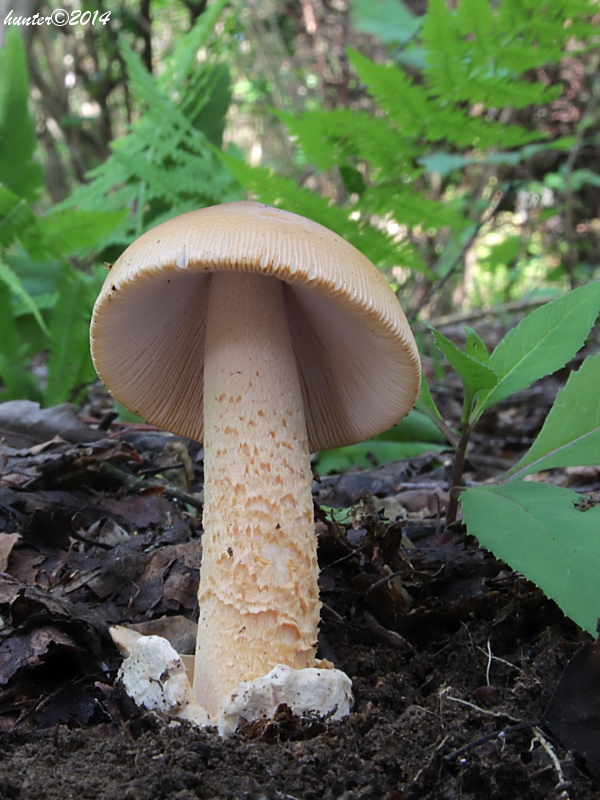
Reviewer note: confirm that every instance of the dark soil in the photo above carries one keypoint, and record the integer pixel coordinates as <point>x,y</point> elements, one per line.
<point>454,658</point>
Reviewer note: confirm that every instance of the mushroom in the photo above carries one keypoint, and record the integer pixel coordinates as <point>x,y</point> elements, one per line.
<point>265,336</point>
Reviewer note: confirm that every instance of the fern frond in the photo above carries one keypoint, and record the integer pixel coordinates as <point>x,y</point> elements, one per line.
<point>412,208</point>
<point>481,54</point>
<point>11,280</point>
<point>16,217</point>
<point>166,163</point>
<point>69,361</point>
<point>421,115</point>
<point>331,138</point>
<point>184,60</point>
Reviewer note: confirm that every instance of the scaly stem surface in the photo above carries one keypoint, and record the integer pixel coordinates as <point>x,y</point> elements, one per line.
<point>258,594</point>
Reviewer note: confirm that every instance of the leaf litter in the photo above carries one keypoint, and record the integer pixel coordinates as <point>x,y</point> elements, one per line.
<point>456,660</point>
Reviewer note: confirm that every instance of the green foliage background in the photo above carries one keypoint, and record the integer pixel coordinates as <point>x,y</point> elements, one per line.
<point>457,150</point>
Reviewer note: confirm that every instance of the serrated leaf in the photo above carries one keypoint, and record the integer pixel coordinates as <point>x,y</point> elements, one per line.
<point>166,165</point>
<point>476,347</point>
<point>183,62</point>
<point>538,530</point>
<point>474,374</point>
<point>542,342</point>
<point>570,436</point>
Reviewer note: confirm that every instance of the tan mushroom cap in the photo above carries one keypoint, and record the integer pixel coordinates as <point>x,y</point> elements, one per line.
<point>357,358</point>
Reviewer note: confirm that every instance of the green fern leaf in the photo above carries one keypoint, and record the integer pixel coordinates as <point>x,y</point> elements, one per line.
<point>16,217</point>
<point>165,165</point>
<point>69,362</point>
<point>12,281</point>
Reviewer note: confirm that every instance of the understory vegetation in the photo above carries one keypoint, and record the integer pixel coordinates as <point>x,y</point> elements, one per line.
<point>456,148</point>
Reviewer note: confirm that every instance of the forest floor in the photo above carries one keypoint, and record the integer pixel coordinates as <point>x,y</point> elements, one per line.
<point>457,662</point>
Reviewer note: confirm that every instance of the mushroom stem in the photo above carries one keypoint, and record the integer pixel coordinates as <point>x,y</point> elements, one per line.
<point>258,594</point>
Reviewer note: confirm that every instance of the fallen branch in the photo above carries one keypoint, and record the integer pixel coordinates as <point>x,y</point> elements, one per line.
<point>134,484</point>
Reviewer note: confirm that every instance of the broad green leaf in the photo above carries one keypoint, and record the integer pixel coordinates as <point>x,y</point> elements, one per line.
<point>412,436</point>
<point>17,131</point>
<point>474,374</point>
<point>538,530</point>
<point>442,163</point>
<point>12,280</point>
<point>415,427</point>
<point>391,21</point>
<point>476,347</point>
<point>543,342</point>
<point>207,107</point>
<point>353,179</point>
<point>571,433</point>
<point>425,403</point>
<point>366,454</point>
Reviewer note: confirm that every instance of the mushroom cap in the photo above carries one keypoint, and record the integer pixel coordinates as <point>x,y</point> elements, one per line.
<point>357,358</point>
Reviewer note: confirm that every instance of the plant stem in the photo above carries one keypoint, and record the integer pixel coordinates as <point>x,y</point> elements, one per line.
<point>457,475</point>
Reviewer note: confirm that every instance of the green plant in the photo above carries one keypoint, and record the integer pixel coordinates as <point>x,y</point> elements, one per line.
<point>45,301</point>
<point>414,435</point>
<point>164,166</point>
<point>544,531</point>
<point>167,163</point>
<point>429,159</point>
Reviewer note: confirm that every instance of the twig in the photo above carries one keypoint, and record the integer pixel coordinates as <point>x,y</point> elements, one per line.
<point>487,711</point>
<point>513,307</point>
<point>383,582</point>
<point>133,484</point>
<point>489,215</point>
<point>562,783</point>
<point>520,726</point>
<point>491,657</point>
<point>572,256</point>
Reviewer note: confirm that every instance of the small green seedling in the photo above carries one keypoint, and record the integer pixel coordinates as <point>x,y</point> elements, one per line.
<point>539,529</point>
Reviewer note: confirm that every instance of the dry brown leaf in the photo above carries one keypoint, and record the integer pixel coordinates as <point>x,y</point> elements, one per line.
<point>7,542</point>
